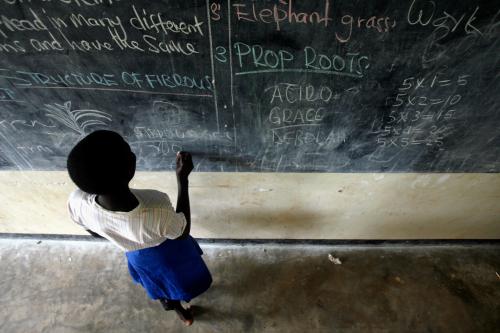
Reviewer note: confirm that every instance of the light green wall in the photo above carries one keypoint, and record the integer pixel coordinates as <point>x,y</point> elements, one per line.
<point>279,205</point>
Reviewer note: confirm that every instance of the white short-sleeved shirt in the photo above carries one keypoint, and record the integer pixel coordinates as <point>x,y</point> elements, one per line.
<point>149,224</point>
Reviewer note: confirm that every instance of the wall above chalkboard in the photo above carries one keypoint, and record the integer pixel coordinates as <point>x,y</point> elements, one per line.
<point>281,86</point>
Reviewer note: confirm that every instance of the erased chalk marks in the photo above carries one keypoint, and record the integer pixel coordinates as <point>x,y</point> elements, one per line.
<point>11,154</point>
<point>169,112</point>
<point>30,124</point>
<point>77,120</point>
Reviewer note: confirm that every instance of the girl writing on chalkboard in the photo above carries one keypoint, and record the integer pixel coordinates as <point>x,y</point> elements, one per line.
<point>161,254</point>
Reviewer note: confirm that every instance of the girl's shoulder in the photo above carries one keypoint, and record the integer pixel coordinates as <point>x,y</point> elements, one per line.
<point>151,198</point>
<point>78,196</point>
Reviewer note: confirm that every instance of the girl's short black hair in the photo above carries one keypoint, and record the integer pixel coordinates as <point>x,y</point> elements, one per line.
<point>101,162</point>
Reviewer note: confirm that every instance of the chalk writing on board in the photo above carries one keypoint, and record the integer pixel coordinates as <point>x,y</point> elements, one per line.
<point>421,113</point>
<point>54,32</point>
<point>285,13</point>
<point>295,93</point>
<point>19,124</point>
<point>300,115</point>
<point>79,3</point>
<point>255,59</point>
<point>8,96</point>
<point>179,135</point>
<point>78,120</point>
<point>424,12</point>
<point>125,81</point>
<point>155,147</point>
<point>462,25</point>
<point>278,85</point>
<point>32,150</point>
<point>281,13</point>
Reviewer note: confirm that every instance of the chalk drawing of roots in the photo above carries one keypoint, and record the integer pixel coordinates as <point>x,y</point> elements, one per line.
<point>78,120</point>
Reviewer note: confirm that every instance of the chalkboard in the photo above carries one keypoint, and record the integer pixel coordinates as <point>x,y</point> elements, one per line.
<point>267,86</point>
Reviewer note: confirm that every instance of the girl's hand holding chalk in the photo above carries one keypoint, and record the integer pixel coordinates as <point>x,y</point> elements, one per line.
<point>184,164</point>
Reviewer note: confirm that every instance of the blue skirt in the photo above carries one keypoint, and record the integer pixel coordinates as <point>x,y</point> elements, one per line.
<point>173,270</point>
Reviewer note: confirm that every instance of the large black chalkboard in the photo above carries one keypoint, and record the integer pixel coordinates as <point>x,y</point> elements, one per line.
<point>317,86</point>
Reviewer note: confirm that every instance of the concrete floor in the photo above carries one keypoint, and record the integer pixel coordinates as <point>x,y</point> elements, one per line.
<point>83,286</point>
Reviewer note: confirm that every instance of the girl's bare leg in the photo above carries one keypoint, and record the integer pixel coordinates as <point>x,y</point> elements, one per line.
<point>184,314</point>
